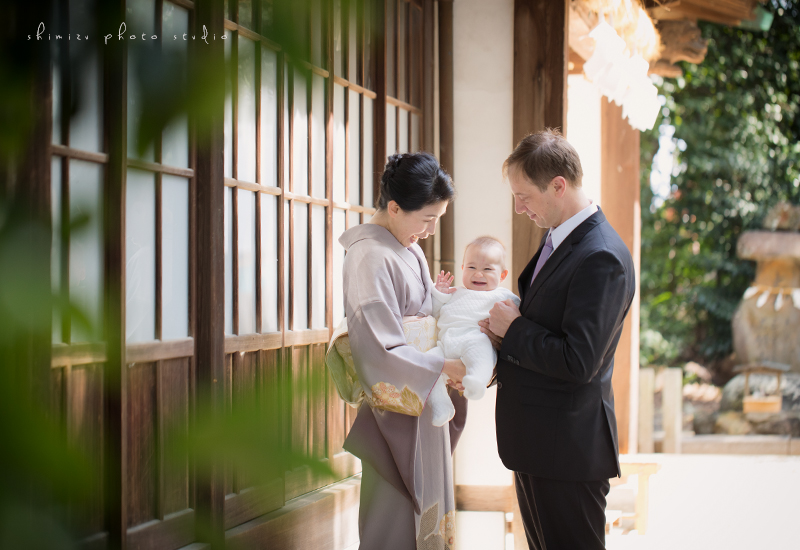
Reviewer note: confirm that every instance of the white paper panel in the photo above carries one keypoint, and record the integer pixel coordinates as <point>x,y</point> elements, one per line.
<point>391,130</point>
<point>338,36</point>
<point>55,250</point>
<point>140,256</point>
<point>338,264</point>
<point>140,15</point>
<point>300,134</point>
<point>353,218</point>
<point>175,138</point>
<point>317,270</point>
<point>318,137</point>
<point>338,144</point>
<point>174,256</point>
<point>228,124</point>
<point>354,164</point>
<point>228,258</point>
<point>269,118</point>
<point>402,145</point>
<point>269,263</point>
<point>247,261</point>
<point>286,148</point>
<point>246,111</point>
<point>300,277</point>
<point>368,171</point>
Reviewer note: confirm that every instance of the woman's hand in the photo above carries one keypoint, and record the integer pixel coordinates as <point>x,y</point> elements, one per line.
<point>455,370</point>
<point>443,283</point>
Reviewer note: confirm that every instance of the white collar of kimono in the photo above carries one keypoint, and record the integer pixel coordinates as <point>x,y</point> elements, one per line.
<point>413,255</point>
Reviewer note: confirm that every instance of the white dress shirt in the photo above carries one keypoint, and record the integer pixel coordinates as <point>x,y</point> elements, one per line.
<point>560,233</point>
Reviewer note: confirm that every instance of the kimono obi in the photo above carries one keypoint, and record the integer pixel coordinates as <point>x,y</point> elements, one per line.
<point>420,333</point>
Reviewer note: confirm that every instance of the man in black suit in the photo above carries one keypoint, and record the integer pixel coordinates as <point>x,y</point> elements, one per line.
<point>556,427</point>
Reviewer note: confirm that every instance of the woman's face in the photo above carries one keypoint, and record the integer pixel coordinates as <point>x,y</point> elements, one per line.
<point>409,227</point>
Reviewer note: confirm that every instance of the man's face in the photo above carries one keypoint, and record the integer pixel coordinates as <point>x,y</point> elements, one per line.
<point>528,199</point>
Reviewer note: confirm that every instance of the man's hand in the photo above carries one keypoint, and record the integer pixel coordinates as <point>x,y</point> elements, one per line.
<point>501,316</point>
<point>496,340</point>
<point>443,283</point>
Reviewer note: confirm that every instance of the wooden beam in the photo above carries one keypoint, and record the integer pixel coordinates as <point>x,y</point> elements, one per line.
<point>210,292</point>
<point>115,378</point>
<point>446,126</point>
<point>621,205</point>
<point>541,30</point>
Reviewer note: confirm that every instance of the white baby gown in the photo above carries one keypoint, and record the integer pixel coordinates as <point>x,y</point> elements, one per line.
<point>460,337</point>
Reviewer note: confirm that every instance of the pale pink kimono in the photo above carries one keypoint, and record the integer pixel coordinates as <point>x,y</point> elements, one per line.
<point>407,498</point>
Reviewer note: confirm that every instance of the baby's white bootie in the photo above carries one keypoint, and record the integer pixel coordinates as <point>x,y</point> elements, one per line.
<point>440,403</point>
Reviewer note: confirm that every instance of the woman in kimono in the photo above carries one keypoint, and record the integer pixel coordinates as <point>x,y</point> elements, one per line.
<point>407,499</point>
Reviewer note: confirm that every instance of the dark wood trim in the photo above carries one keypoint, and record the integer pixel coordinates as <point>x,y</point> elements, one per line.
<point>252,35</point>
<point>355,87</point>
<point>541,57</point>
<point>252,502</point>
<point>115,377</point>
<point>282,185</point>
<point>379,112</point>
<point>63,355</point>
<point>253,342</point>
<point>210,291</point>
<point>77,154</point>
<point>403,106</point>
<point>332,511</point>
<point>446,127</point>
<point>158,351</point>
<point>174,531</point>
<point>259,134</point>
<point>330,420</point>
<point>620,197</point>
<point>159,168</point>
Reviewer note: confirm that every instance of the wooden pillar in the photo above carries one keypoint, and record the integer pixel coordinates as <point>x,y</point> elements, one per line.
<point>541,55</point>
<point>428,75</point>
<point>672,410</point>
<point>446,126</point>
<point>210,287</point>
<point>647,379</point>
<point>620,202</point>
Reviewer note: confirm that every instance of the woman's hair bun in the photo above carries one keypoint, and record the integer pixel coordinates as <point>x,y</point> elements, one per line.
<point>413,181</point>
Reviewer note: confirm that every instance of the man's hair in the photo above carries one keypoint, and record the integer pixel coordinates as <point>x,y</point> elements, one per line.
<point>543,156</point>
<point>488,242</point>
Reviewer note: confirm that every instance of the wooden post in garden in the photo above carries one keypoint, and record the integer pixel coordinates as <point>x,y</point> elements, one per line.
<point>647,380</point>
<point>672,410</point>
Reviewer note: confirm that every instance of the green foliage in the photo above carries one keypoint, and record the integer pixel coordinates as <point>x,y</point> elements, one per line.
<point>737,119</point>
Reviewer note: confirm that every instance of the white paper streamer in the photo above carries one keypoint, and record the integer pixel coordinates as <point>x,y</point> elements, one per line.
<point>750,292</point>
<point>762,299</point>
<point>779,301</point>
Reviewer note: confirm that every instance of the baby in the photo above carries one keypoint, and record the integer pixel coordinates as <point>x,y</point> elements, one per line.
<point>458,311</point>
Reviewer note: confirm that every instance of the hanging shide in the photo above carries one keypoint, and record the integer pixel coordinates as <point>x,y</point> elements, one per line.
<point>625,43</point>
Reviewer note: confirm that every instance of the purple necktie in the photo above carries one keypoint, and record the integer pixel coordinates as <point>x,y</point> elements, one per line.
<point>546,251</point>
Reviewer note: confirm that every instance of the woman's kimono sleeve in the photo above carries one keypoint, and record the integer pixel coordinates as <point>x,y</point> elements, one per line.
<point>395,376</point>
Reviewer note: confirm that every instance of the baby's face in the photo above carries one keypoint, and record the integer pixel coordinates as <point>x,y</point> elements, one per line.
<point>483,268</point>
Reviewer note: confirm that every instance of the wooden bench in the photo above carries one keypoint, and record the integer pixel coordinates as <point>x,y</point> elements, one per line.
<point>641,508</point>
<point>494,498</point>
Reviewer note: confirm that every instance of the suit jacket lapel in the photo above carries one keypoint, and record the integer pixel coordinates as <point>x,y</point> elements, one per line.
<point>524,279</point>
<point>558,255</point>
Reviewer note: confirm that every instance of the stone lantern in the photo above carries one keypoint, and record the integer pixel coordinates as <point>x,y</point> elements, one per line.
<point>766,325</point>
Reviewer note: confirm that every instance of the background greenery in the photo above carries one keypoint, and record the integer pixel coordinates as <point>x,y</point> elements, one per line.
<point>737,119</point>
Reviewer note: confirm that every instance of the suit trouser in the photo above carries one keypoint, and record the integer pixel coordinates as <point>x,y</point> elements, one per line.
<point>562,515</point>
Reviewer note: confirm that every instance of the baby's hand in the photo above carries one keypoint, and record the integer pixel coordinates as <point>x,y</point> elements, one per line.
<point>443,283</point>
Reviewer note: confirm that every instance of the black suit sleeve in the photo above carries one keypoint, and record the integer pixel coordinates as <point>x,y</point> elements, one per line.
<point>595,304</point>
